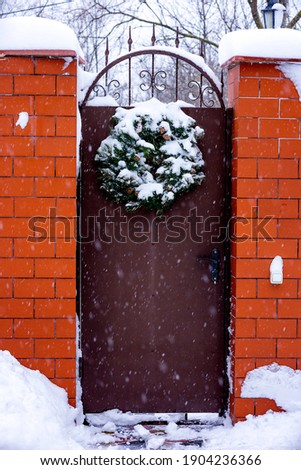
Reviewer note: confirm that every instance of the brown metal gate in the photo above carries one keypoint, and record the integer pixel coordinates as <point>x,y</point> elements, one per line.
<point>152,288</point>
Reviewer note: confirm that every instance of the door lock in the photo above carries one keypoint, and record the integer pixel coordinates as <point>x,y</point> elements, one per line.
<point>215,261</point>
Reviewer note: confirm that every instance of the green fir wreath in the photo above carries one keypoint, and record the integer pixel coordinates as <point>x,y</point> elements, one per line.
<point>151,156</point>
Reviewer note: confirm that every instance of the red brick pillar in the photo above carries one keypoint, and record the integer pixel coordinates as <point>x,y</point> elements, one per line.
<point>38,213</point>
<point>265,318</point>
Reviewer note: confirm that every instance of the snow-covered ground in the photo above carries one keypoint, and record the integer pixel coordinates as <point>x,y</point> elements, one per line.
<point>34,414</point>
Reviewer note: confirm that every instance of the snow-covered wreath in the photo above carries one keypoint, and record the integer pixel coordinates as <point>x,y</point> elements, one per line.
<point>151,156</point>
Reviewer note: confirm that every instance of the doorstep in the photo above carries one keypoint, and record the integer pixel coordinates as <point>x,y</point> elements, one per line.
<point>117,430</point>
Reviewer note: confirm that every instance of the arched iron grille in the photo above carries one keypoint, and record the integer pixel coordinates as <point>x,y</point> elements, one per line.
<point>139,75</point>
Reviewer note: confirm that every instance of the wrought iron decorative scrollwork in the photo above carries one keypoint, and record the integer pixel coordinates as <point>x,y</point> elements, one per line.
<point>98,90</point>
<point>205,94</point>
<point>115,84</point>
<point>153,84</point>
<point>208,95</point>
<point>101,90</point>
<point>192,84</point>
<point>202,90</point>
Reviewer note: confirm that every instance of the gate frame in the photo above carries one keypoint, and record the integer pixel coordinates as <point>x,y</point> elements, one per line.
<point>217,89</point>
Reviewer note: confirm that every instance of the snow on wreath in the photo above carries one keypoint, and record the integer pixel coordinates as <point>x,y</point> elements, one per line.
<point>151,156</point>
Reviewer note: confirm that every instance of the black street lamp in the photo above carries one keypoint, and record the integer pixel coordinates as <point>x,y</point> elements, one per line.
<point>273,14</point>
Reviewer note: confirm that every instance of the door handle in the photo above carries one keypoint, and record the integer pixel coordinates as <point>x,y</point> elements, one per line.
<point>215,260</point>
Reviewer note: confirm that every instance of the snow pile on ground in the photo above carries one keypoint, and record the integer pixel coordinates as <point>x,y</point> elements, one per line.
<point>34,413</point>
<point>272,430</point>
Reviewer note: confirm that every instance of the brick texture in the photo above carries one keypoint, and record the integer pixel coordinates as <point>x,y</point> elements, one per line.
<point>266,190</point>
<point>38,189</point>
<point>37,211</point>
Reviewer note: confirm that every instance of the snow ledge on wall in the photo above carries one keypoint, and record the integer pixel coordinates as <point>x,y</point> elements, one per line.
<point>292,72</point>
<point>279,383</point>
<point>33,33</point>
<point>282,44</point>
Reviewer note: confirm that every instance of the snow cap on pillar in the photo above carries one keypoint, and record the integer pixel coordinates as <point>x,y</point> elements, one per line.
<point>276,45</point>
<point>30,33</point>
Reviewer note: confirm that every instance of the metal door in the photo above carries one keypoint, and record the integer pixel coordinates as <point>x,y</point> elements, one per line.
<point>152,289</point>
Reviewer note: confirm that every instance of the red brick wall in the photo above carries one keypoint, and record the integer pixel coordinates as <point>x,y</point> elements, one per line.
<point>265,318</point>
<point>38,210</point>
<point>38,192</point>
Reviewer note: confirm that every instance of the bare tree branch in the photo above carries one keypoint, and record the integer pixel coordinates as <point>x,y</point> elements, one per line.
<point>294,21</point>
<point>255,13</point>
<point>133,17</point>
